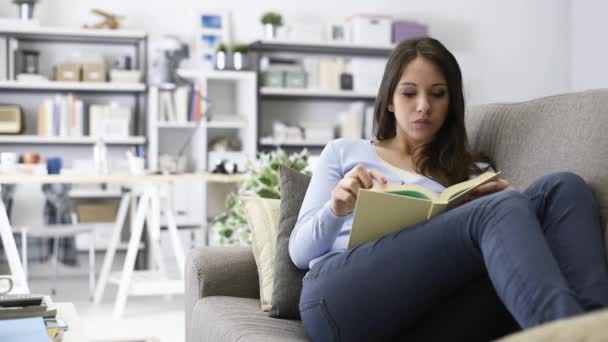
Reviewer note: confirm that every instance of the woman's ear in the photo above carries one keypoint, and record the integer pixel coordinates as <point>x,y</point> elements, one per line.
<point>390,108</point>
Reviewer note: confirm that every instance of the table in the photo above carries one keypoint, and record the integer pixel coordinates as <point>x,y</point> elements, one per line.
<point>148,188</point>
<point>67,313</point>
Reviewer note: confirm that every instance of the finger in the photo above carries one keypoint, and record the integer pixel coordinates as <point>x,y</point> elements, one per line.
<point>345,196</point>
<point>350,184</point>
<point>363,176</point>
<point>366,179</point>
<point>378,176</point>
<point>486,188</point>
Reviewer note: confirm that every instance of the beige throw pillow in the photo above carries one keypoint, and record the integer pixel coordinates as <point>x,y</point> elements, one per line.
<point>263,217</point>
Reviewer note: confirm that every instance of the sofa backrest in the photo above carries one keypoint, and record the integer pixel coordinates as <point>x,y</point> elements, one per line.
<point>526,140</point>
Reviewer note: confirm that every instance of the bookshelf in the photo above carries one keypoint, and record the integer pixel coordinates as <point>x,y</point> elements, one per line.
<point>54,86</point>
<point>55,45</point>
<point>232,113</point>
<point>323,102</point>
<point>36,139</point>
<point>270,92</point>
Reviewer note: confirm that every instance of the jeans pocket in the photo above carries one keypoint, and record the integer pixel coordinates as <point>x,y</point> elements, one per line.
<point>318,323</point>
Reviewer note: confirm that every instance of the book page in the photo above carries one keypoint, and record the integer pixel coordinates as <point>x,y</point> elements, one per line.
<point>409,190</point>
<point>378,214</point>
<point>458,191</point>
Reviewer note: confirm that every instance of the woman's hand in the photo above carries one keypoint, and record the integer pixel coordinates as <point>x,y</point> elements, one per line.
<point>344,195</point>
<point>489,188</point>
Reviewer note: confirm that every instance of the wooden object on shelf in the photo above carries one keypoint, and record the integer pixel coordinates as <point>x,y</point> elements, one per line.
<point>109,20</point>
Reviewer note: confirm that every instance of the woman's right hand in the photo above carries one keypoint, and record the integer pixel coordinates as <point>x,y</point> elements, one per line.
<point>344,195</point>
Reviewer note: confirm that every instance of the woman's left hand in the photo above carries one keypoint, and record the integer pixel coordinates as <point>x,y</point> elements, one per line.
<point>489,188</point>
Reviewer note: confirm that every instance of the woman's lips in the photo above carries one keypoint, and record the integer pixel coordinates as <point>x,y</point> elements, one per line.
<point>422,123</point>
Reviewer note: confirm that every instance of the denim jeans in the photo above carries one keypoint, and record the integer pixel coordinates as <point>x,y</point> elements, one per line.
<point>542,251</point>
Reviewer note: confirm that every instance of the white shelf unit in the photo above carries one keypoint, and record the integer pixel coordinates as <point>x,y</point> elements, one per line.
<point>315,93</point>
<point>36,139</point>
<point>52,86</point>
<point>269,142</point>
<point>76,34</point>
<point>296,106</point>
<point>58,45</point>
<point>234,105</point>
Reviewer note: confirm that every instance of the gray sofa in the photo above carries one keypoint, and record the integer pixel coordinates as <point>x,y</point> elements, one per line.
<point>524,140</point>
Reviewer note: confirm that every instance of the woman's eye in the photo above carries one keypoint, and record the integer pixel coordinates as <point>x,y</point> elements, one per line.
<point>409,94</point>
<point>439,94</point>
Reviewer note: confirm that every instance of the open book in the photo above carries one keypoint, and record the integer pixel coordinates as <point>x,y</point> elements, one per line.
<point>385,209</point>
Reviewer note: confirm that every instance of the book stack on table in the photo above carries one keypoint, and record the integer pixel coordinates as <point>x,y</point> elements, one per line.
<point>33,313</point>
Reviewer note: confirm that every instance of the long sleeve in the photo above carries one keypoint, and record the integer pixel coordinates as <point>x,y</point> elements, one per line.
<point>317,226</point>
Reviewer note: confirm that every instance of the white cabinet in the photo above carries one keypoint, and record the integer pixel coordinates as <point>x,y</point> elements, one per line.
<point>229,111</point>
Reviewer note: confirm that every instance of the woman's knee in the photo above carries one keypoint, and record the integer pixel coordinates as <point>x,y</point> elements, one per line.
<point>567,183</point>
<point>565,178</point>
<point>509,200</point>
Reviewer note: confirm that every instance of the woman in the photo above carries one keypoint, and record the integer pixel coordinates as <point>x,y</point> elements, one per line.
<point>539,251</point>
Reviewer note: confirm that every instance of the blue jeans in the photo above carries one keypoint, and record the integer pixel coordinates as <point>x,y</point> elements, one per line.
<point>542,251</point>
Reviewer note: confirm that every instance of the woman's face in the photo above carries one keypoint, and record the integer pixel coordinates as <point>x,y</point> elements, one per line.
<point>420,102</point>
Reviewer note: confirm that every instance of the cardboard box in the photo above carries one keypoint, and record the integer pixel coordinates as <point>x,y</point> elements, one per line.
<point>97,211</point>
<point>93,73</point>
<point>67,72</point>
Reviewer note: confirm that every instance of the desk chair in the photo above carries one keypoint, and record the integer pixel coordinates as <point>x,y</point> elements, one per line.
<point>28,219</point>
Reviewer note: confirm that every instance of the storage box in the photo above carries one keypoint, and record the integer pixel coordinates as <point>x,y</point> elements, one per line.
<point>125,76</point>
<point>93,72</point>
<point>295,79</point>
<point>371,29</point>
<point>273,78</point>
<point>404,30</point>
<point>67,72</point>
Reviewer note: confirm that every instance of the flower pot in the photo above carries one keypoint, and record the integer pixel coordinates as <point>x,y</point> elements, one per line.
<point>240,61</point>
<point>270,31</point>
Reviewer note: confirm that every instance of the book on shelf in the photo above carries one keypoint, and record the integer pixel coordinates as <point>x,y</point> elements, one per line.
<point>61,116</point>
<point>111,120</point>
<point>386,209</point>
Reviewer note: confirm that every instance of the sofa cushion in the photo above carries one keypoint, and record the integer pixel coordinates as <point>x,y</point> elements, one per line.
<point>220,318</point>
<point>287,277</point>
<point>529,139</point>
<point>263,218</point>
<point>590,327</point>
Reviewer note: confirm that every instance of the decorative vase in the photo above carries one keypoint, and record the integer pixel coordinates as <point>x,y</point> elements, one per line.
<point>240,61</point>
<point>221,60</point>
<point>270,31</point>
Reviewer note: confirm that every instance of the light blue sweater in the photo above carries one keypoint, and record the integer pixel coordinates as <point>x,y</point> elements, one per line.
<point>319,233</point>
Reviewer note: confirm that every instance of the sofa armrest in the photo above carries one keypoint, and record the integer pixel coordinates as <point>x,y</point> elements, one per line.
<point>219,271</point>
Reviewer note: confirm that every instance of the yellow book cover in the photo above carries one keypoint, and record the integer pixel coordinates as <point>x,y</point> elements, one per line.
<point>388,208</point>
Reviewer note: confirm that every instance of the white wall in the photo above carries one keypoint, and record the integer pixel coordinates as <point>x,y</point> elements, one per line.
<point>508,50</point>
<point>589,46</point>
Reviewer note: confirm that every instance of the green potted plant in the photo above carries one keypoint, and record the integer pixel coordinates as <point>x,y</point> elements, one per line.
<point>221,57</point>
<point>262,179</point>
<point>271,21</point>
<point>240,59</point>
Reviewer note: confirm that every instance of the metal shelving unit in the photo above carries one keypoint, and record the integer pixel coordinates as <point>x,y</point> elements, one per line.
<point>27,93</point>
<point>75,87</point>
<point>263,48</point>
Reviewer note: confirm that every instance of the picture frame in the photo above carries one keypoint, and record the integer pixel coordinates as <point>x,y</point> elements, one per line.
<point>212,29</point>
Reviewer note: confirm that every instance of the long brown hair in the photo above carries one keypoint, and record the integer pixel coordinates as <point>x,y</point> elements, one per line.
<point>447,158</point>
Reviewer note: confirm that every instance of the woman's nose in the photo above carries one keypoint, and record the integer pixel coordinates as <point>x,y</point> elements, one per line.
<point>423,105</point>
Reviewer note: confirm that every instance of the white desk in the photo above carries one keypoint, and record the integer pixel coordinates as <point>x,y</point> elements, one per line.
<point>148,188</point>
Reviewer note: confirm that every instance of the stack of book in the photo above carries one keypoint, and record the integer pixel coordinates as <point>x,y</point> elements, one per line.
<point>62,116</point>
<point>32,311</point>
